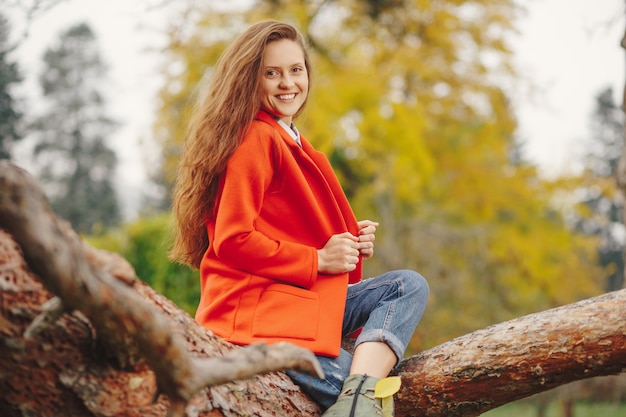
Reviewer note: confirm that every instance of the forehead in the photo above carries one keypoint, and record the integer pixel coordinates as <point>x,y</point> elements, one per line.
<point>283,52</point>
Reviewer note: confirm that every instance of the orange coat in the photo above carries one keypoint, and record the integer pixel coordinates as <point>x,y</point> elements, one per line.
<point>278,203</point>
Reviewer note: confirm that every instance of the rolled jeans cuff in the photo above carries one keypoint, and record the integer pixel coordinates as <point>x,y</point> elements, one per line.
<point>379,335</point>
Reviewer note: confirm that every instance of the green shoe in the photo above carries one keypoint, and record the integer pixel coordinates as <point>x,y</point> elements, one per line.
<point>365,396</point>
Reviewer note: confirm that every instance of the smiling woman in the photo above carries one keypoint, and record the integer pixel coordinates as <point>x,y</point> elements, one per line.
<point>285,81</point>
<point>261,213</point>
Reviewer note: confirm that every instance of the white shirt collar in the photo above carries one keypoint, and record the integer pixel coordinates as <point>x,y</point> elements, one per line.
<point>293,132</point>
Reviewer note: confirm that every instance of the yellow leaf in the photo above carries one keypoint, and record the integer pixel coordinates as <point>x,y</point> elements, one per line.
<point>386,387</point>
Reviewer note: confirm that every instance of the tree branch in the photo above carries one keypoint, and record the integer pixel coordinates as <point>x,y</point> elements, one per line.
<point>61,260</point>
<point>509,361</point>
<point>465,377</point>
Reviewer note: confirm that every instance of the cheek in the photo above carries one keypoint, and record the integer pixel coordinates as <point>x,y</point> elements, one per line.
<point>304,87</point>
<point>265,89</point>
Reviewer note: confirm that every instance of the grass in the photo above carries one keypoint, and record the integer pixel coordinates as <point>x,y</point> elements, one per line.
<point>581,409</point>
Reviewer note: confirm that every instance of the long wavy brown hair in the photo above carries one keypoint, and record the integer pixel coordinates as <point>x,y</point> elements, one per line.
<point>215,131</point>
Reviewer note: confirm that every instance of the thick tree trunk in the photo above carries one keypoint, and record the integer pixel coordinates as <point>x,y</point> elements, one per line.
<point>109,344</point>
<point>485,369</point>
<point>65,370</point>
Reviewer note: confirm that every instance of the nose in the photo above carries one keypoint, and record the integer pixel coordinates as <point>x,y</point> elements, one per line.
<point>286,81</point>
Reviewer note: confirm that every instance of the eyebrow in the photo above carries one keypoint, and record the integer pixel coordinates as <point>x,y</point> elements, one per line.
<point>292,65</point>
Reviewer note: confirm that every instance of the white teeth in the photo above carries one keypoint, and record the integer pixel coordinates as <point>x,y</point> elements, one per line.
<point>286,96</point>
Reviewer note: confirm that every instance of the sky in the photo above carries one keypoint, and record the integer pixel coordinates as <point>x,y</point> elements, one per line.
<point>567,51</point>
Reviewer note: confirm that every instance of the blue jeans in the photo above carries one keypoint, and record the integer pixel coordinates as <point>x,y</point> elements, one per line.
<point>388,309</point>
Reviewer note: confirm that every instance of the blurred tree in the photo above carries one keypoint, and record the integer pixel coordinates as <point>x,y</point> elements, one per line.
<point>602,213</point>
<point>76,164</point>
<point>407,101</point>
<point>26,11</point>
<point>10,116</point>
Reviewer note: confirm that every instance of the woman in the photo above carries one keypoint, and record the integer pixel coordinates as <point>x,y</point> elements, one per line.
<point>264,218</point>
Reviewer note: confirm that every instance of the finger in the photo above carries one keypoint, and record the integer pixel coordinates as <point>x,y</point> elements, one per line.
<point>366,249</point>
<point>367,230</point>
<point>349,236</point>
<point>353,244</point>
<point>349,250</point>
<point>366,245</point>
<point>370,237</point>
<point>366,223</point>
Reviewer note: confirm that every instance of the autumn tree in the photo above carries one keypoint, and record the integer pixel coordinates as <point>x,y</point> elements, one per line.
<point>75,161</point>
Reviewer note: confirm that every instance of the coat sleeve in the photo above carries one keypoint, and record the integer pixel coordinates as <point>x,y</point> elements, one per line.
<point>237,241</point>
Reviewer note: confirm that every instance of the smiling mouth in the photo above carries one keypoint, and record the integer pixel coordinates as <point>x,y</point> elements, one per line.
<point>286,96</point>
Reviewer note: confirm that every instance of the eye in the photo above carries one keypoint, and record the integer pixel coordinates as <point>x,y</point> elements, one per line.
<point>271,73</point>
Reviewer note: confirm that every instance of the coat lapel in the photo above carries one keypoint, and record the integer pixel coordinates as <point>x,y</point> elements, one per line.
<point>316,164</point>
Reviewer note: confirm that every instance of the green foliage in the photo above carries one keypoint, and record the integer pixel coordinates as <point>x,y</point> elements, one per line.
<point>407,101</point>
<point>144,244</point>
<point>10,116</point>
<point>76,165</point>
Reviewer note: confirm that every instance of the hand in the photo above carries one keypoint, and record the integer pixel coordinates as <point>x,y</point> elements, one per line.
<point>340,254</point>
<point>367,230</point>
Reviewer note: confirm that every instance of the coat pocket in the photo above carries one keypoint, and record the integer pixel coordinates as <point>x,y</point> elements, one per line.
<point>285,311</point>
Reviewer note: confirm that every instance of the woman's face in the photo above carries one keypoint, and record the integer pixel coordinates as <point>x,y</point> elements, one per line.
<point>284,79</point>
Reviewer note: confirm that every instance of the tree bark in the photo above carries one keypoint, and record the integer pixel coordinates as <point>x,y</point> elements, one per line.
<point>128,332</point>
<point>115,355</point>
<point>505,362</point>
<point>66,370</point>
